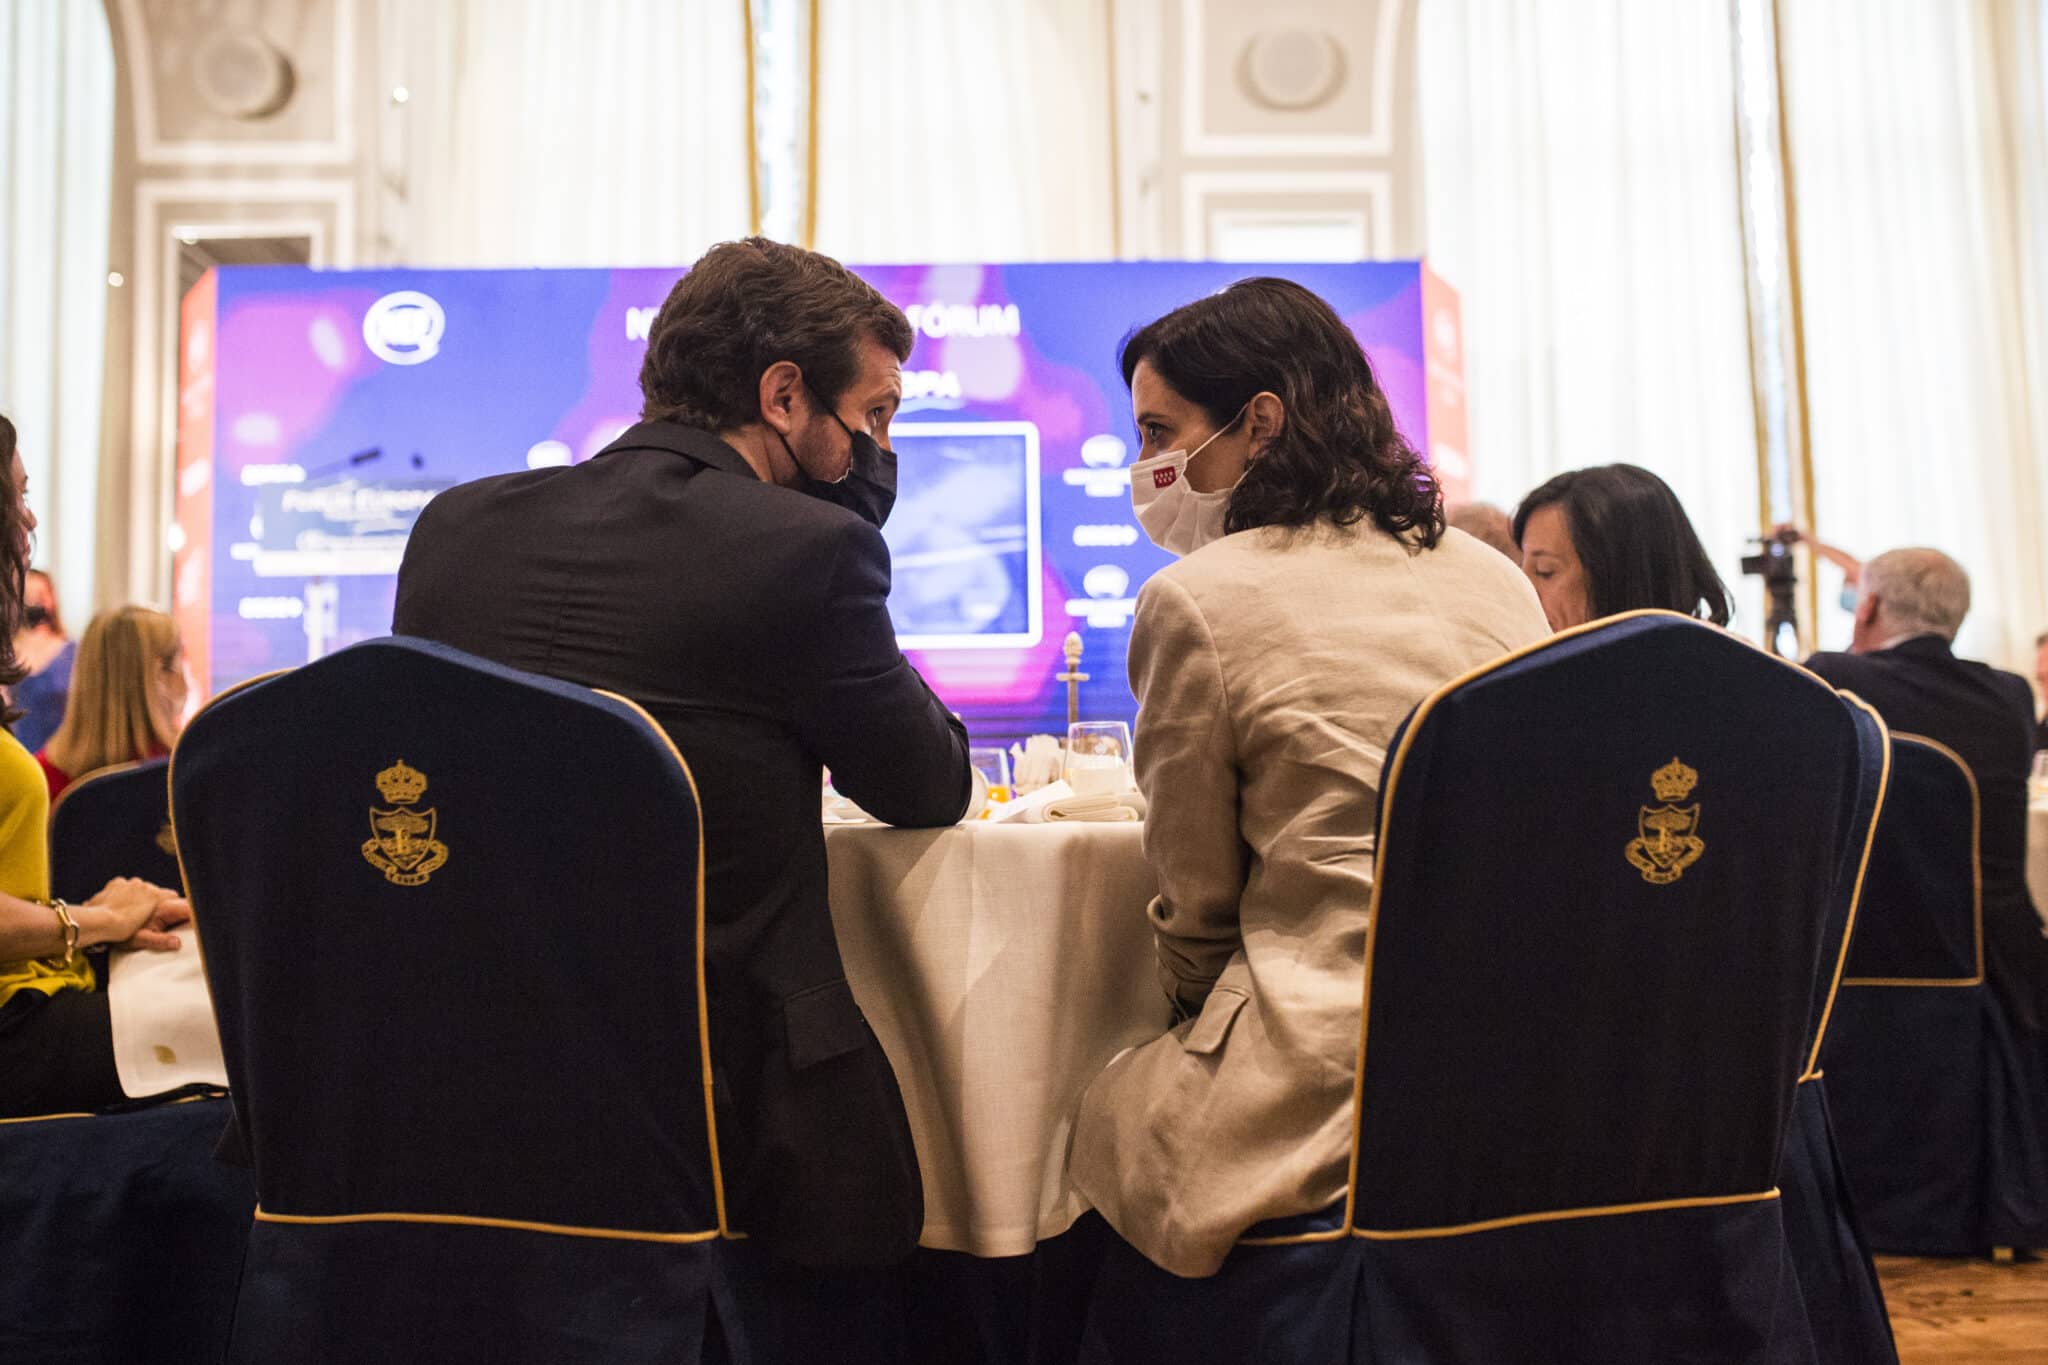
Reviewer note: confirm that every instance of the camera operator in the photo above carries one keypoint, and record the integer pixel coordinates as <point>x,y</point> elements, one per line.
<point>1850,565</point>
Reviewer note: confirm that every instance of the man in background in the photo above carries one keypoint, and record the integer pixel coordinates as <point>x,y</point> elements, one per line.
<point>2041,683</point>
<point>1902,662</point>
<point>47,651</point>
<point>722,565</point>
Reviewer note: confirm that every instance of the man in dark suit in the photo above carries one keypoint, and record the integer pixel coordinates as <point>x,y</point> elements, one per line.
<point>1902,663</point>
<point>2041,681</point>
<point>706,564</point>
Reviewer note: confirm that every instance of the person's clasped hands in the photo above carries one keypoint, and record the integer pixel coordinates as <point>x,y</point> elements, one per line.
<point>129,912</point>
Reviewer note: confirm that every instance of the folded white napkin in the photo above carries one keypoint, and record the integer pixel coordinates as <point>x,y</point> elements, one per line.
<point>1057,804</point>
<point>164,1035</point>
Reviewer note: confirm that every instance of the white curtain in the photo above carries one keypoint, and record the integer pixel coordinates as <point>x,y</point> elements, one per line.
<point>568,132</point>
<point>1919,145</point>
<point>57,147</point>
<point>950,131</point>
<point>1581,192</point>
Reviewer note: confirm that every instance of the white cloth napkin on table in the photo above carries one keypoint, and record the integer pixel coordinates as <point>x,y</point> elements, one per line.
<point>1056,803</point>
<point>164,1035</point>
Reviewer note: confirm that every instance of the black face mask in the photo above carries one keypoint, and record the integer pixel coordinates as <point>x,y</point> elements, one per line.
<point>869,488</point>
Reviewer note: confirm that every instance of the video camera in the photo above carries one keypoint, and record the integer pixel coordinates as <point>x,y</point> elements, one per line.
<point>1773,562</point>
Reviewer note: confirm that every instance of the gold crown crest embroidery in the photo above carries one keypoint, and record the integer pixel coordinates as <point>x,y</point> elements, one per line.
<point>1667,838</point>
<point>402,844</point>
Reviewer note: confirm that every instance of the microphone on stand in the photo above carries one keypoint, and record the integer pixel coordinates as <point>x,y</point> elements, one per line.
<point>360,458</point>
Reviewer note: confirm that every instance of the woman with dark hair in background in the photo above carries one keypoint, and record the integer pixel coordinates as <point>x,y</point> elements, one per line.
<point>56,1043</point>
<point>1614,538</point>
<point>1319,599</point>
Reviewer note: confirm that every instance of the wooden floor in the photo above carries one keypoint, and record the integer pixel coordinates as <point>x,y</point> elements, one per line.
<point>1946,1312</point>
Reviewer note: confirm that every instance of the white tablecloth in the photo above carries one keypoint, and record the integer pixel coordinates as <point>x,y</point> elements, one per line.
<point>1001,966</point>
<point>2037,856</point>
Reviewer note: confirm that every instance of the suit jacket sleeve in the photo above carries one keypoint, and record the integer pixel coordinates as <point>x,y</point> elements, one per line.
<point>890,744</point>
<point>1187,768</point>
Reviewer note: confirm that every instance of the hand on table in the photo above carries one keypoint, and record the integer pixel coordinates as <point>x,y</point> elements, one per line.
<point>138,914</point>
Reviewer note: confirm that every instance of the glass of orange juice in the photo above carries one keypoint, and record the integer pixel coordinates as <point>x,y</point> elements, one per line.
<point>994,765</point>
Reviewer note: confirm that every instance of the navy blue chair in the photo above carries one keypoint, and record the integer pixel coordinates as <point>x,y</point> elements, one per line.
<point>121,1238</point>
<point>112,822</point>
<point>1934,1097</point>
<point>453,921</point>
<point>1830,1258</point>
<point>1609,871</point>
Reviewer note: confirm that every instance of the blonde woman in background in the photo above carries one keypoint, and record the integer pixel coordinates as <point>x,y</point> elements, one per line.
<point>127,696</point>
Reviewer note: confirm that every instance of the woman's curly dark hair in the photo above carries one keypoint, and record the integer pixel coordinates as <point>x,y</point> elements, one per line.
<point>1338,454</point>
<point>13,567</point>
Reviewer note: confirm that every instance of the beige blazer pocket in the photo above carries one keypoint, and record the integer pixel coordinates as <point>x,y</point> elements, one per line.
<point>1219,1012</point>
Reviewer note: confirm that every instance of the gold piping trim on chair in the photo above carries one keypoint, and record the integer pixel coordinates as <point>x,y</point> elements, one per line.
<point>171,810</point>
<point>1390,781</point>
<point>167,1104</point>
<point>468,1221</point>
<point>1976,880</point>
<point>1884,782</point>
<point>1704,1201</point>
<point>703,994</point>
<point>1299,1238</point>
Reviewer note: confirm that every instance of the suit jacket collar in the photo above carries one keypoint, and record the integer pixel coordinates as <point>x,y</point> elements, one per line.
<point>1922,647</point>
<point>689,442</point>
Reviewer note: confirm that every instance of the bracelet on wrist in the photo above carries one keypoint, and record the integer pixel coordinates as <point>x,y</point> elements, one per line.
<point>68,923</point>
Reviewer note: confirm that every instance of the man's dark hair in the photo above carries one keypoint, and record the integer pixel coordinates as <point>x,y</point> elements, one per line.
<point>1634,541</point>
<point>1338,454</point>
<point>746,305</point>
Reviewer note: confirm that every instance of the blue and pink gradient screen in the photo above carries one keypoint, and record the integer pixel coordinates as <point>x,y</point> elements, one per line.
<point>344,400</point>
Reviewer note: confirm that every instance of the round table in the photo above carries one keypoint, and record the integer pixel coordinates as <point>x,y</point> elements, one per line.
<point>1001,965</point>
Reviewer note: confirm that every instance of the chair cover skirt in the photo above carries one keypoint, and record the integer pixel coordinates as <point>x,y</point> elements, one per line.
<point>491,1295</point>
<point>1694,1284</point>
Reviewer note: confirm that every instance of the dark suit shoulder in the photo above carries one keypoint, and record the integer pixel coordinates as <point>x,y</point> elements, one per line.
<point>1838,668</point>
<point>2014,687</point>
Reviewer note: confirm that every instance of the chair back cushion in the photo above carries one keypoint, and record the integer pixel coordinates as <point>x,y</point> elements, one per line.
<point>112,822</point>
<point>1922,916</point>
<point>1606,873</point>
<point>452,921</point>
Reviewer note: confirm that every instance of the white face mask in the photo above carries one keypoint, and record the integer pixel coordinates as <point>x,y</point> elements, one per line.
<point>1176,518</point>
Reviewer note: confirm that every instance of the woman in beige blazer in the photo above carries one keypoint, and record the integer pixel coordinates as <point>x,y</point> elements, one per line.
<point>1319,598</point>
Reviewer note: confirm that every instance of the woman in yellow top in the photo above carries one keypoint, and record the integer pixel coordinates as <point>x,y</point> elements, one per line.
<point>56,1045</point>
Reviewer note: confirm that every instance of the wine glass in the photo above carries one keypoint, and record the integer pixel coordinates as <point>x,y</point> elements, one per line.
<point>1099,757</point>
<point>994,766</point>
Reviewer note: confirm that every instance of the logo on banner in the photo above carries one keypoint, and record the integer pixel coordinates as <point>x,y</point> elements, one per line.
<point>1667,836</point>
<point>402,844</point>
<point>404,328</point>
